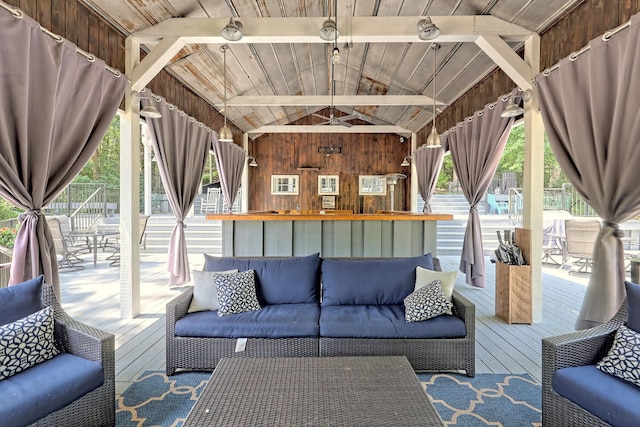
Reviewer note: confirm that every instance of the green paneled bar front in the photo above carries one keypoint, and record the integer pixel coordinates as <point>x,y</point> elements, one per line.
<point>331,233</point>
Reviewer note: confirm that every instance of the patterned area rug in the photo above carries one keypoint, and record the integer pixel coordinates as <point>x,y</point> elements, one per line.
<point>486,400</point>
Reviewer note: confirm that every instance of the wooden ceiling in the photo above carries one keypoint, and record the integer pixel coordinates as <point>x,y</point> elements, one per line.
<point>382,79</point>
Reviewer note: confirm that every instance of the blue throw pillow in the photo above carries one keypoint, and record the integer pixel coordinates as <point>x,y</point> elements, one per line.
<point>380,281</point>
<point>294,280</point>
<point>20,300</point>
<point>633,305</point>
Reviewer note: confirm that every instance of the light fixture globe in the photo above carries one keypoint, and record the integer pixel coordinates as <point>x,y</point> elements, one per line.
<point>427,30</point>
<point>225,134</point>
<point>329,31</point>
<point>232,31</point>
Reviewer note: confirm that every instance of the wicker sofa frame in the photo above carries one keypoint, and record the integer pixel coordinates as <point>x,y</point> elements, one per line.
<point>96,408</point>
<point>433,354</point>
<point>580,348</point>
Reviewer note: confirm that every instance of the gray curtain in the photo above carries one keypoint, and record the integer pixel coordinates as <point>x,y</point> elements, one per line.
<point>591,112</point>
<point>428,162</point>
<point>55,107</point>
<point>181,146</point>
<point>476,145</point>
<point>230,160</point>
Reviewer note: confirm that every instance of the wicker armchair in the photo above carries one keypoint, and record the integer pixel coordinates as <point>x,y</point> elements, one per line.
<point>575,349</point>
<point>96,408</point>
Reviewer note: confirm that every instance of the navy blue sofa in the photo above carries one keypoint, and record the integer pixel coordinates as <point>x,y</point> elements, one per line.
<point>74,388</point>
<point>323,307</point>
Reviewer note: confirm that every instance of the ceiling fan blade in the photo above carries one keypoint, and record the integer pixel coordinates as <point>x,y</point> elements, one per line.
<point>349,117</point>
<point>343,123</point>
<point>327,122</point>
<point>321,116</point>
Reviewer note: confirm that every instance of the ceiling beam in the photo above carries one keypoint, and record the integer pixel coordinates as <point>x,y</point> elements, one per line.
<point>324,100</point>
<point>331,129</point>
<point>365,29</point>
<point>509,61</point>
<point>155,61</point>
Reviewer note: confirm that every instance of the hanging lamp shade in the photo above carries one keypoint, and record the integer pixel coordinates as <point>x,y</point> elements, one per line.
<point>232,31</point>
<point>329,31</point>
<point>225,134</point>
<point>433,140</point>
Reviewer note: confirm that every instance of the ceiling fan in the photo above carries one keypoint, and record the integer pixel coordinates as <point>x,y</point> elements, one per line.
<point>335,58</point>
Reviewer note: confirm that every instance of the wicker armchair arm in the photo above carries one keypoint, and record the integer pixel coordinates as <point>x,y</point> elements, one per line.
<point>177,309</point>
<point>464,309</point>
<point>76,337</point>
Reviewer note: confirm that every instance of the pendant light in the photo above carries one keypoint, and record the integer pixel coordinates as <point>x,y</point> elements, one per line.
<point>433,140</point>
<point>225,133</point>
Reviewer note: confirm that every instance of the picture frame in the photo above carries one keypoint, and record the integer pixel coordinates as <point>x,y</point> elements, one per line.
<point>372,185</point>
<point>329,184</point>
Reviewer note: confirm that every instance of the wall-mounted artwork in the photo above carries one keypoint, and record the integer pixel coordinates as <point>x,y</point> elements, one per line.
<point>373,185</point>
<point>328,202</point>
<point>329,184</point>
<point>284,184</point>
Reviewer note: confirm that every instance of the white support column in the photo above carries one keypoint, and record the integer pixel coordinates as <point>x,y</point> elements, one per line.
<point>148,176</point>
<point>534,177</point>
<point>130,194</point>
<point>414,174</point>
<point>244,183</point>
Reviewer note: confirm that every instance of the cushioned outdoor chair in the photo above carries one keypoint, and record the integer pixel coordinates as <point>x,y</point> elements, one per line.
<point>76,387</point>
<point>582,348</point>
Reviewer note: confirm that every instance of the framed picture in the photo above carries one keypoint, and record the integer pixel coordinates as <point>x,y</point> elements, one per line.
<point>329,184</point>
<point>328,202</point>
<point>284,184</point>
<point>372,185</point>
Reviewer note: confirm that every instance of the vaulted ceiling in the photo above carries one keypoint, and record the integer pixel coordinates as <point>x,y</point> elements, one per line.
<point>381,80</point>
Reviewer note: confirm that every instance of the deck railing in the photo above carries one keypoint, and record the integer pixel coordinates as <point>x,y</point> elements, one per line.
<point>84,204</point>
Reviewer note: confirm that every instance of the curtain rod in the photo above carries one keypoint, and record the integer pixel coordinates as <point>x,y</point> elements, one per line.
<point>147,94</point>
<point>19,14</point>
<point>606,37</point>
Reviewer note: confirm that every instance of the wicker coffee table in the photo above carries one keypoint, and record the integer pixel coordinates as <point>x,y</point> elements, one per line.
<point>307,391</point>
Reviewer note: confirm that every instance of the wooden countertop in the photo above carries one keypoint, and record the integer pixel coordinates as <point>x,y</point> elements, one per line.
<point>328,215</point>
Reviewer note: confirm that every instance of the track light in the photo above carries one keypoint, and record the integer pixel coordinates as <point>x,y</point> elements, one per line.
<point>232,31</point>
<point>329,32</point>
<point>427,30</point>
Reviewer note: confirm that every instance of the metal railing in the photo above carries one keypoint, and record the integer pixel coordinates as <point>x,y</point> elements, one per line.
<point>84,204</point>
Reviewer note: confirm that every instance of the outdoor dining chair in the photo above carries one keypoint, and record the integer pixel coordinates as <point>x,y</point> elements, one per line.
<point>115,256</point>
<point>66,252</point>
<point>580,237</point>
<point>211,202</point>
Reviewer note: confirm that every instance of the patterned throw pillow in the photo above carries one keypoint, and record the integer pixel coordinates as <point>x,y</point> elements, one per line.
<point>26,342</point>
<point>236,292</point>
<point>426,302</point>
<point>623,360</point>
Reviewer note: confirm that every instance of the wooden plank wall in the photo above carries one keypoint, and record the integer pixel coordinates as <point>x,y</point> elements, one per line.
<point>362,154</point>
<point>572,32</point>
<point>78,24</point>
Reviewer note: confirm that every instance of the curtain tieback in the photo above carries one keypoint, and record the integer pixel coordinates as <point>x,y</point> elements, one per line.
<point>616,229</point>
<point>181,223</point>
<point>24,215</point>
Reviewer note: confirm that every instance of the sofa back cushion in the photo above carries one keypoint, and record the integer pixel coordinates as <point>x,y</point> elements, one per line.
<point>633,305</point>
<point>21,300</point>
<point>379,281</point>
<point>294,280</point>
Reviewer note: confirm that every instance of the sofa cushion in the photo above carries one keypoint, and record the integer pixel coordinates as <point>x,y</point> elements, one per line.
<point>387,321</point>
<point>426,302</point>
<point>20,300</point>
<point>633,305</point>
<point>236,292</point>
<point>611,399</point>
<point>47,387</point>
<point>623,358</point>
<point>447,280</point>
<point>26,342</point>
<point>272,321</point>
<point>381,281</point>
<point>294,280</point>
<point>205,295</point>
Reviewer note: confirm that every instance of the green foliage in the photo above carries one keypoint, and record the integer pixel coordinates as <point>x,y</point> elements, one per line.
<point>7,210</point>
<point>104,165</point>
<point>446,173</point>
<point>8,237</point>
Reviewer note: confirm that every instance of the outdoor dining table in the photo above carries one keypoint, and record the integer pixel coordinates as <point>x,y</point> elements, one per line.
<point>91,237</point>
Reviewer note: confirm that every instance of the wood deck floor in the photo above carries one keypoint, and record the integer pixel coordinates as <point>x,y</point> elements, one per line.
<point>92,296</point>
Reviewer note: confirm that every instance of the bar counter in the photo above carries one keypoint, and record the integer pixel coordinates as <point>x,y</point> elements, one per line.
<point>331,233</point>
